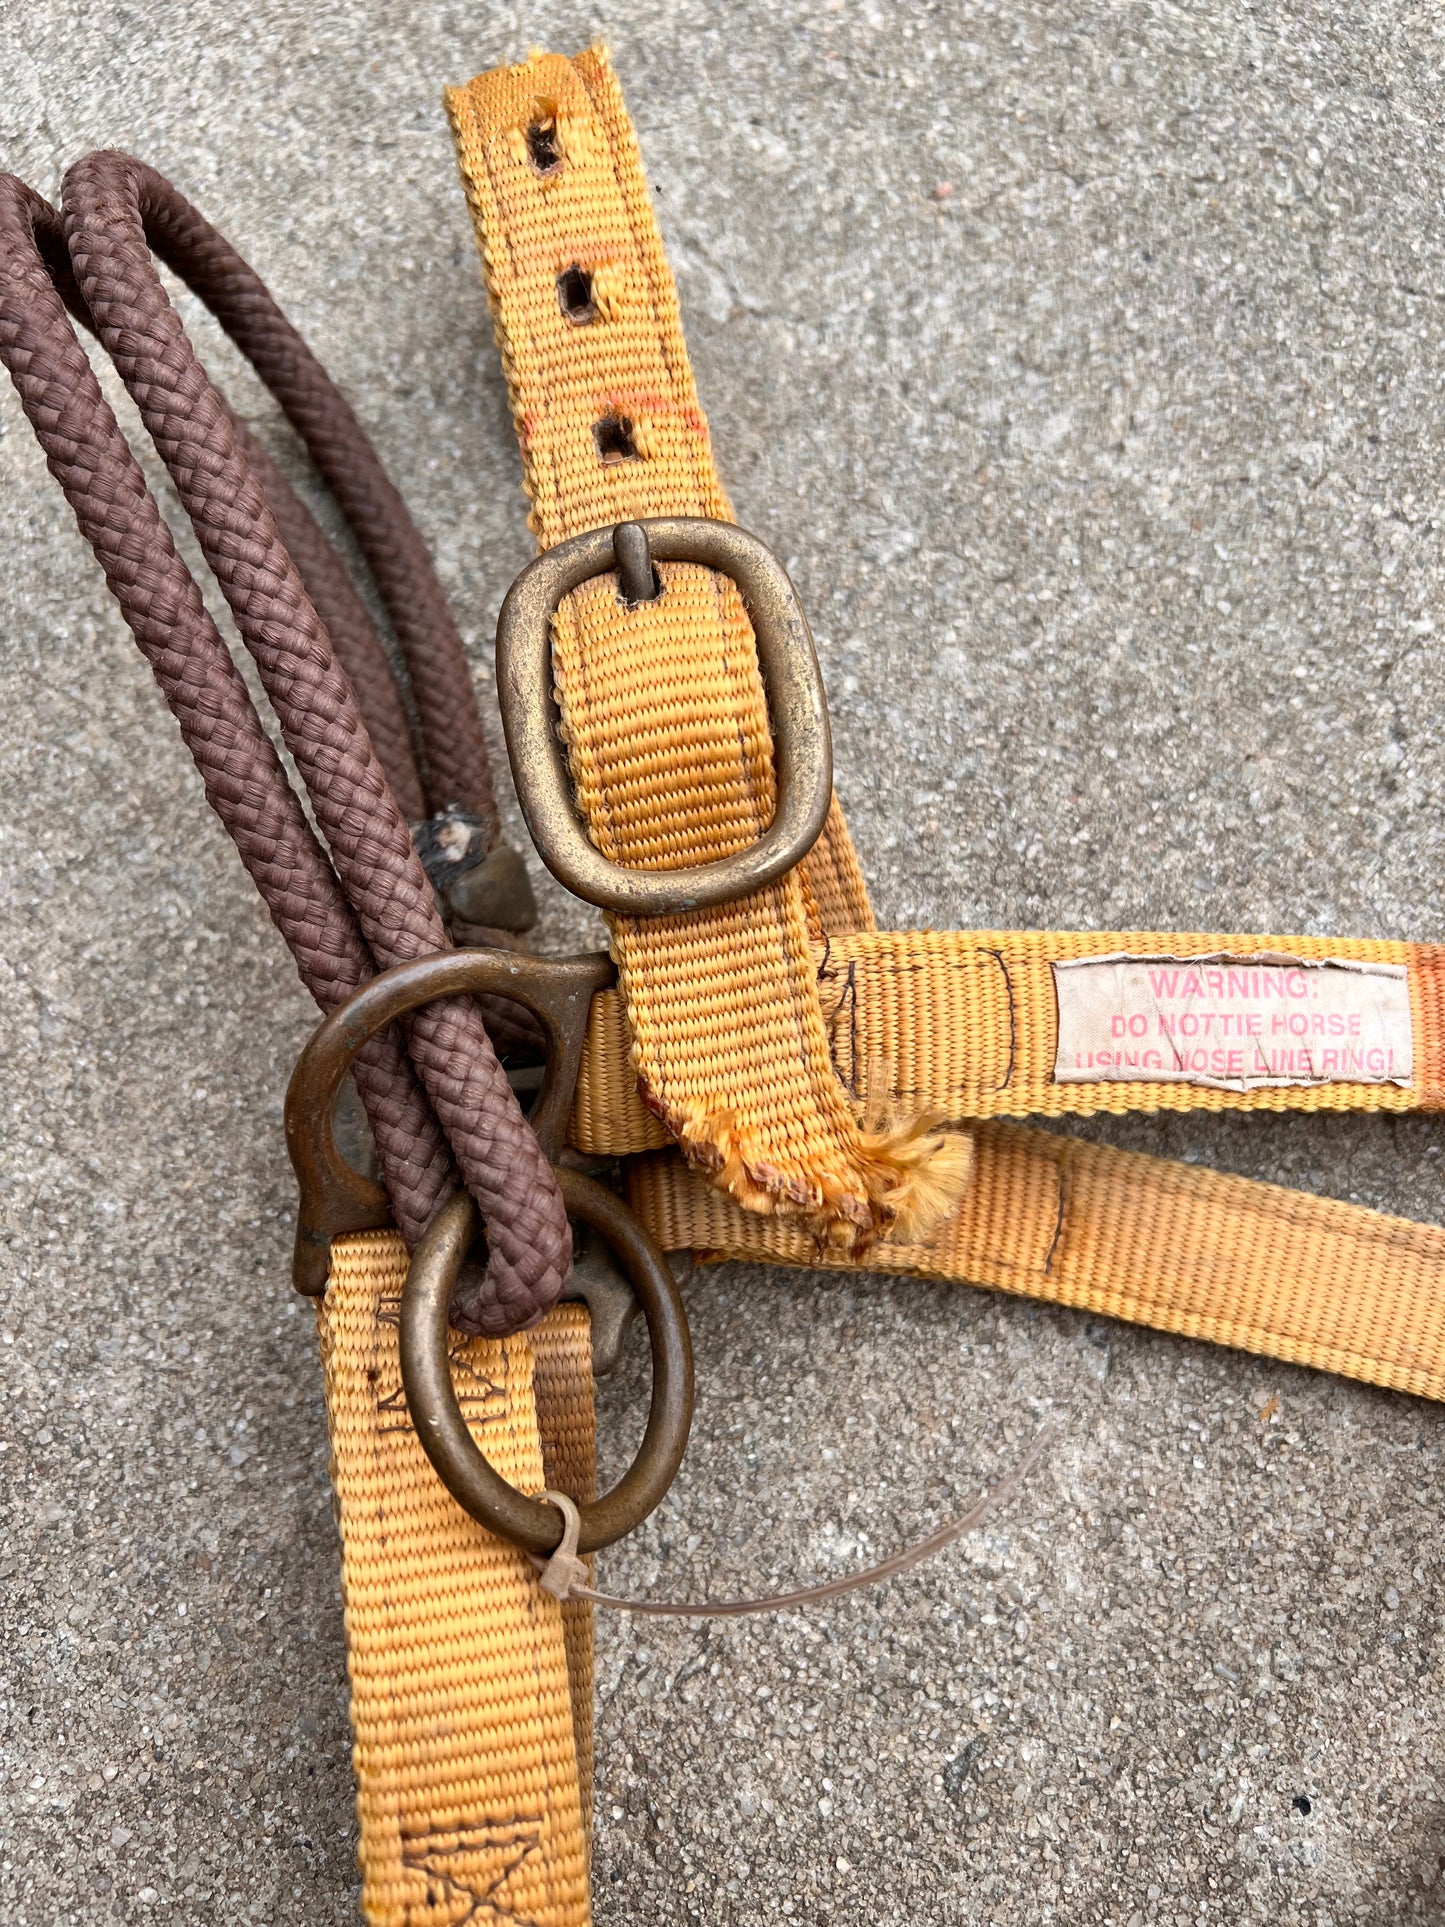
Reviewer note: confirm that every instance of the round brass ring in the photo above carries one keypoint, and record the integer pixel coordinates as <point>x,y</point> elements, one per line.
<point>432,1400</point>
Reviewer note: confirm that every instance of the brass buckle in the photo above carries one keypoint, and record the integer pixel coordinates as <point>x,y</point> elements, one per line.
<point>336,1199</point>
<point>791,677</point>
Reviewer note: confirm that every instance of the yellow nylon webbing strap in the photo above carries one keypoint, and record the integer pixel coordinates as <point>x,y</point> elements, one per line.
<point>833,883</point>
<point>1168,1245</point>
<point>964,1025</point>
<point>663,706</point>
<point>567,1426</point>
<point>466,1754</point>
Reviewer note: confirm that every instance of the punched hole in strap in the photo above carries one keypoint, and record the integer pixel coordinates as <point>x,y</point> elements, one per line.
<point>574,295</point>
<point>615,439</point>
<point>544,149</point>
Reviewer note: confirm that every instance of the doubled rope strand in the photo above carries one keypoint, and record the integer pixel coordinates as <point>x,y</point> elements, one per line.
<point>387,911</point>
<point>110,203</point>
<point>459,771</point>
<point>353,634</point>
<point>348,622</point>
<point>243,777</point>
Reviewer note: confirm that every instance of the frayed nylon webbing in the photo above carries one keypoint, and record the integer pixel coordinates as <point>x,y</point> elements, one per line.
<point>1182,1249</point>
<point>662,704</point>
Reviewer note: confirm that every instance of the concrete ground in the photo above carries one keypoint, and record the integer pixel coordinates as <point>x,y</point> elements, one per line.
<point>1084,361</point>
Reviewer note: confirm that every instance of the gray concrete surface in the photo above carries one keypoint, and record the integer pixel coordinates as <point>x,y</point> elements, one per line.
<point>1084,360</point>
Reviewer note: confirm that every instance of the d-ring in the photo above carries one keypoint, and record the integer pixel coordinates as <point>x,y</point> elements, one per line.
<point>431,1397</point>
<point>334,1198</point>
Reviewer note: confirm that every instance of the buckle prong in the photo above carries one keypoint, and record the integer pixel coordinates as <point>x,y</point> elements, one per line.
<point>632,552</point>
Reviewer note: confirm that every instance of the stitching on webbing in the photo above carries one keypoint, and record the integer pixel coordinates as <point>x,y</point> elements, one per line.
<point>1058,1222</point>
<point>831,1026</point>
<point>1012,1015</point>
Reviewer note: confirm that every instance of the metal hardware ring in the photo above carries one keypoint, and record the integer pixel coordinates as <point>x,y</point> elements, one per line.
<point>791,677</point>
<point>335,1199</point>
<point>432,1400</point>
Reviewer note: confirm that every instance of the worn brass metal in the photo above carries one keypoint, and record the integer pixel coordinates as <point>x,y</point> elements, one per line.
<point>431,1397</point>
<point>335,1197</point>
<point>600,1283</point>
<point>791,677</point>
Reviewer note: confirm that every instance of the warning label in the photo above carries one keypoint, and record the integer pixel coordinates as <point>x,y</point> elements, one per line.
<point>1236,1022</point>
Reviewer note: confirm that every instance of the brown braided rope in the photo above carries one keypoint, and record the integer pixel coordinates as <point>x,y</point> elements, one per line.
<point>332,592</point>
<point>513,1029</point>
<point>384,910</point>
<point>360,651</point>
<point>353,635</point>
<point>243,778</point>
<point>459,773</point>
